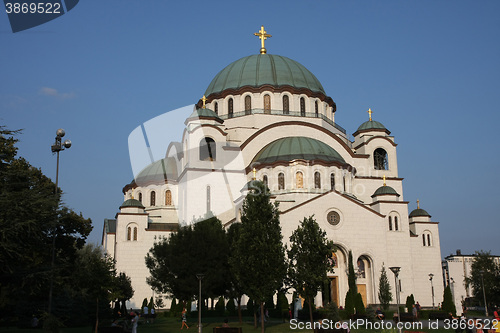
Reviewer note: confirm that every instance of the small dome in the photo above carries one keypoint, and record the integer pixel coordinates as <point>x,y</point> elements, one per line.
<point>264,69</point>
<point>385,190</point>
<point>204,113</point>
<point>158,172</point>
<point>292,148</point>
<point>371,124</point>
<point>132,203</point>
<point>419,212</point>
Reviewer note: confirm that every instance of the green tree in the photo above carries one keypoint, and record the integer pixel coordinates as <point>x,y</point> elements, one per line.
<point>235,289</point>
<point>350,297</point>
<point>384,289</point>
<point>448,305</point>
<point>309,260</point>
<point>485,270</point>
<point>259,258</point>
<point>410,301</point>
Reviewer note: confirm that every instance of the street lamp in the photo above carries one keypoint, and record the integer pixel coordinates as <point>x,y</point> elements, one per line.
<point>484,293</point>
<point>200,277</point>
<point>56,148</point>
<point>396,270</point>
<point>432,288</point>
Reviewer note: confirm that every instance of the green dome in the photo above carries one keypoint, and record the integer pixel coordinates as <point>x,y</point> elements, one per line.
<point>385,190</point>
<point>289,149</point>
<point>419,212</point>
<point>371,124</point>
<point>158,172</point>
<point>132,203</point>
<point>204,113</point>
<point>264,69</point>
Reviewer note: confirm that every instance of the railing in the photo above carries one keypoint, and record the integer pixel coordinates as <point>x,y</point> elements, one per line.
<point>283,113</point>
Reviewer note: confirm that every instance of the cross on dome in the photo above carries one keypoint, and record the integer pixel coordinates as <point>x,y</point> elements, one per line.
<point>263,35</point>
<point>204,99</point>
<point>370,113</point>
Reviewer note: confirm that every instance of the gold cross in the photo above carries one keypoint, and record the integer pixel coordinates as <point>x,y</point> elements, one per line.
<point>370,113</point>
<point>418,204</point>
<point>204,99</point>
<point>384,180</point>
<point>263,35</point>
<point>254,174</point>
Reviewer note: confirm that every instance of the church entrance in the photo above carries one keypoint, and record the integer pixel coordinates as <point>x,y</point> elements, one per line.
<point>362,291</point>
<point>334,290</point>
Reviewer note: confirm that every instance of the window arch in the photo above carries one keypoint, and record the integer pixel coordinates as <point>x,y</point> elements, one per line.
<point>168,198</point>
<point>316,109</point>
<point>426,238</point>
<point>380,159</point>
<point>140,197</point>
<point>230,108</point>
<point>317,180</point>
<point>332,181</point>
<point>302,106</point>
<point>248,104</point>
<point>207,149</point>
<point>390,223</point>
<point>135,233</point>
<point>152,200</point>
<point>129,233</point>
<point>300,179</point>
<point>286,104</point>
<point>281,181</point>
<point>216,108</point>
<point>267,104</point>
<point>396,226</point>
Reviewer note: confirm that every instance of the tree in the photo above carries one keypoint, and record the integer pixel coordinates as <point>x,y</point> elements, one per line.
<point>200,248</point>
<point>235,289</point>
<point>448,304</point>
<point>485,270</point>
<point>384,290</point>
<point>259,258</point>
<point>350,297</point>
<point>308,260</point>
<point>410,301</point>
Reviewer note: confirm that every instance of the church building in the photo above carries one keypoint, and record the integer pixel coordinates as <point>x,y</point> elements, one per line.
<point>267,117</point>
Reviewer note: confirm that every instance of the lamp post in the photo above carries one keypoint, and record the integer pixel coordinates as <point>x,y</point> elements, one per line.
<point>452,285</point>
<point>56,148</point>
<point>484,292</point>
<point>396,270</point>
<point>200,277</point>
<point>432,288</point>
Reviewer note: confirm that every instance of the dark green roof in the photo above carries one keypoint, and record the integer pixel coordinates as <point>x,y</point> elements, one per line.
<point>110,226</point>
<point>205,113</point>
<point>419,212</point>
<point>384,190</point>
<point>132,203</point>
<point>289,149</point>
<point>158,172</point>
<point>371,124</point>
<point>263,69</point>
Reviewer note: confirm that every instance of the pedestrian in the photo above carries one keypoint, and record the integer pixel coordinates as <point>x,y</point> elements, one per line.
<point>145,312</point>
<point>152,315</point>
<point>134,321</point>
<point>184,319</point>
<point>414,312</point>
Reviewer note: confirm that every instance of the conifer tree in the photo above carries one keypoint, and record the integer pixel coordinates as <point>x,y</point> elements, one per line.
<point>448,305</point>
<point>384,289</point>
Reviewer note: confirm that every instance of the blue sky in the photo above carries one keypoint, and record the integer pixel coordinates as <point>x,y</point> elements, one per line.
<point>428,69</point>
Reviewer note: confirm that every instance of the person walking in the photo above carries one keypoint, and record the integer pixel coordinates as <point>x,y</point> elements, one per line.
<point>184,319</point>
<point>134,321</point>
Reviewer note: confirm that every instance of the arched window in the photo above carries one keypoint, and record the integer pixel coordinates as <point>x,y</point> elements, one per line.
<point>264,180</point>
<point>286,104</point>
<point>208,199</point>
<point>207,149</point>
<point>168,198</point>
<point>396,226</point>
<point>248,104</point>
<point>216,108</point>
<point>423,239</point>
<point>140,197</point>
<point>300,179</point>
<point>316,109</point>
<point>344,185</point>
<point>152,201</point>
<point>317,180</point>
<point>361,268</point>
<point>332,181</point>
<point>428,239</point>
<point>230,108</point>
<point>281,181</point>
<point>380,159</point>
<point>267,104</point>
<point>135,233</point>
<point>129,233</point>
<point>302,106</point>
<point>390,223</point>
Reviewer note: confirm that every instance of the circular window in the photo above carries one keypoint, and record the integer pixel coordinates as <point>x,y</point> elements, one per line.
<point>333,218</point>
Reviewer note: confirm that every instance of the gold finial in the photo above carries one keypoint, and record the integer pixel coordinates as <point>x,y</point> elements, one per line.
<point>384,181</point>
<point>418,204</point>
<point>254,174</point>
<point>263,35</point>
<point>370,113</point>
<point>204,99</point>
<point>132,195</point>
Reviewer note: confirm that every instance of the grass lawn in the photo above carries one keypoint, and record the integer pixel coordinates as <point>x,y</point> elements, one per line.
<point>167,325</point>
